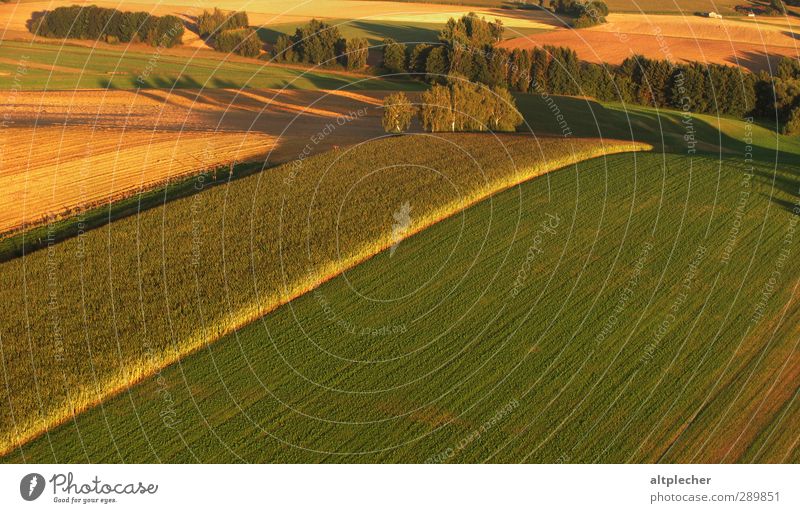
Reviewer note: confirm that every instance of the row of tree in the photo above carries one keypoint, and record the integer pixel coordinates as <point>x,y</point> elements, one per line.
<point>458,106</point>
<point>103,24</point>
<point>321,44</point>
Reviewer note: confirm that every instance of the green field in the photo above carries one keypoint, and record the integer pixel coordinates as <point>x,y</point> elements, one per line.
<point>79,67</point>
<point>171,280</point>
<point>407,354</point>
<point>638,333</point>
<point>376,31</point>
<point>665,129</point>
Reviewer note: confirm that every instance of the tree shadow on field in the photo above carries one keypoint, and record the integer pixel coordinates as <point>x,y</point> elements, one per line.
<point>107,84</point>
<point>667,130</point>
<point>784,180</point>
<point>403,33</point>
<point>225,84</point>
<point>268,35</point>
<point>191,23</point>
<point>758,61</point>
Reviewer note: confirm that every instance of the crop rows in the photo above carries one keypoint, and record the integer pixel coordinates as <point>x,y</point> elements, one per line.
<point>90,316</point>
<point>84,167</point>
<point>638,331</point>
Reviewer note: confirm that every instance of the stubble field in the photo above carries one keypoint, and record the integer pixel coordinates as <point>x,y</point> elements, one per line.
<point>66,151</point>
<point>751,44</point>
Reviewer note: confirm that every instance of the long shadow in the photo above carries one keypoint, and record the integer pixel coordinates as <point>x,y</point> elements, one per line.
<point>268,35</point>
<point>667,130</point>
<point>784,180</point>
<point>403,33</point>
<point>758,61</point>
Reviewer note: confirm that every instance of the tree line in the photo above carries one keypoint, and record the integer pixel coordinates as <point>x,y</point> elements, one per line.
<point>322,44</point>
<point>458,106</point>
<point>466,49</point>
<point>111,25</point>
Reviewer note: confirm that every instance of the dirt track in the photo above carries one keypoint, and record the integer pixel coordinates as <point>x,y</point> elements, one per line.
<point>65,151</point>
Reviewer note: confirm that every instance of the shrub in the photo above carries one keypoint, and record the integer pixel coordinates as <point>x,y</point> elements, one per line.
<point>318,43</point>
<point>284,49</point>
<point>436,64</point>
<point>210,23</point>
<point>788,68</point>
<point>792,126</point>
<point>418,58</point>
<point>471,30</point>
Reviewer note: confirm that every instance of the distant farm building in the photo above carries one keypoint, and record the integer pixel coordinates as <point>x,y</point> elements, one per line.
<point>712,14</point>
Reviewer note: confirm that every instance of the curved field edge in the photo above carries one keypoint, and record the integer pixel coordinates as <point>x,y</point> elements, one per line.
<point>104,311</point>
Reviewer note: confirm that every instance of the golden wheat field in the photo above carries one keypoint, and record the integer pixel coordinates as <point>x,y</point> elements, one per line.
<point>66,151</point>
<point>752,44</point>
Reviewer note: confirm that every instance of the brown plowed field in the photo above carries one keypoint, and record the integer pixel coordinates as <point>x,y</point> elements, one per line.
<point>748,43</point>
<point>66,151</point>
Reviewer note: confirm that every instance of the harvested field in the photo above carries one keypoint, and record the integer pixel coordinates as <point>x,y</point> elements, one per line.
<point>682,39</point>
<point>66,151</point>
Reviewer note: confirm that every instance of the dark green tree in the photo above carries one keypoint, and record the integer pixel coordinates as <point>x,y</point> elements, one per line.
<point>394,56</point>
<point>418,58</point>
<point>357,51</point>
<point>284,49</point>
<point>436,64</point>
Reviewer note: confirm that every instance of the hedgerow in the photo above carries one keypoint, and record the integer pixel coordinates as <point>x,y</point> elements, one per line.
<point>100,23</point>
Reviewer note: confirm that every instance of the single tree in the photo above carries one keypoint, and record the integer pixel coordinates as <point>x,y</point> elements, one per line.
<point>436,64</point>
<point>357,51</point>
<point>397,113</point>
<point>394,56</point>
